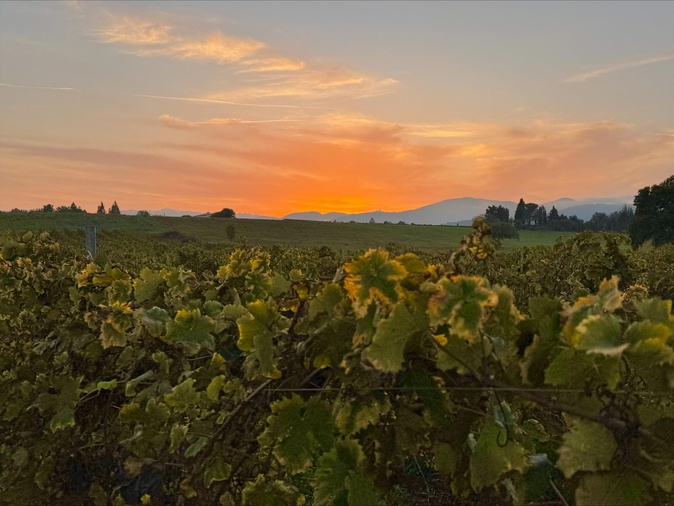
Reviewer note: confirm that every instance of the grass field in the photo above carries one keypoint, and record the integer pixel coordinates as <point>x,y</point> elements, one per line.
<point>345,236</point>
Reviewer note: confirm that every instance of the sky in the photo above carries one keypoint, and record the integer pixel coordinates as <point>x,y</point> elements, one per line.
<point>278,107</point>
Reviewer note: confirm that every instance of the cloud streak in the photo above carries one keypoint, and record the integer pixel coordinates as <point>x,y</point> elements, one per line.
<point>229,102</point>
<point>26,87</point>
<point>602,71</point>
<point>285,76</point>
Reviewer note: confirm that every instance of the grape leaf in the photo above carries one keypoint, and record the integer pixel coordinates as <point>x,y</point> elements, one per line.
<point>192,330</point>
<point>459,301</point>
<point>491,459</point>
<point>588,446</point>
<point>154,320</point>
<point>656,310</point>
<point>373,276</point>
<point>62,419</point>
<point>612,489</point>
<point>330,479</point>
<point>194,449</point>
<point>391,337</point>
<point>145,286</point>
<point>217,471</point>
<point>269,493</point>
<point>184,398</point>
<point>351,415</point>
<point>256,331</point>
<point>297,430</point>
<point>600,334</point>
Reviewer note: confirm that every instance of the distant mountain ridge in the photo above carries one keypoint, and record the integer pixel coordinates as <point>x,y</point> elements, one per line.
<point>462,211</point>
<point>447,212</point>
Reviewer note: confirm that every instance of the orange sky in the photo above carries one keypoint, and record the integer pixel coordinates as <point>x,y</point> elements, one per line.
<point>153,108</point>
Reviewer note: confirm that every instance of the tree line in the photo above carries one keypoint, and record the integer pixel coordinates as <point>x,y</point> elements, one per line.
<point>72,208</point>
<point>652,217</point>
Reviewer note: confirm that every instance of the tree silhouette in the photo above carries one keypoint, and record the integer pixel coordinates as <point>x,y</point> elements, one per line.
<point>654,214</point>
<point>225,213</point>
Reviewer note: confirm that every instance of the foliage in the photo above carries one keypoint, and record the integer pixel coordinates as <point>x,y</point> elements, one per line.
<point>495,214</point>
<point>266,382</point>
<point>101,208</point>
<point>654,217</point>
<point>225,213</point>
<point>114,208</point>
<point>500,230</point>
<point>72,208</point>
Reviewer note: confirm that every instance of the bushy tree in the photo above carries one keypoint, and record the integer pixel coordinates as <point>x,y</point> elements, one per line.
<point>101,208</point>
<point>654,214</point>
<point>501,230</point>
<point>225,213</point>
<point>114,208</point>
<point>495,214</point>
<point>144,214</point>
<point>72,208</point>
<point>48,208</point>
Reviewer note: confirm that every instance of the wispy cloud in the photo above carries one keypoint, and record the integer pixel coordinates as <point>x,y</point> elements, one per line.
<point>229,102</point>
<point>26,87</point>
<point>134,31</point>
<point>182,124</point>
<point>284,76</point>
<point>601,71</point>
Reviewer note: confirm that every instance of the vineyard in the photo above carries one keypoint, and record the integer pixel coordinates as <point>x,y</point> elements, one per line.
<point>196,375</point>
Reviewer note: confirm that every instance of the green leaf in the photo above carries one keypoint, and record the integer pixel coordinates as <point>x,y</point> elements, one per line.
<point>269,493</point>
<point>600,334</point>
<point>113,332</point>
<point>106,385</point>
<point>145,286</point>
<point>215,387</point>
<point>217,471</point>
<point>257,328</point>
<point>297,430</point>
<point>177,436</point>
<point>353,415</point>
<point>460,355</point>
<point>612,489</point>
<point>326,303</point>
<point>588,446</point>
<point>656,310</point>
<point>460,302</point>
<point>570,368</point>
<point>334,467</point>
<point>651,342</point>
<point>194,449</point>
<point>373,276</point>
<point>63,419</point>
<point>154,320</point>
<point>184,398</point>
<point>492,458</point>
<point>130,388</point>
<point>192,330</point>
<point>391,337</point>
<point>212,308</point>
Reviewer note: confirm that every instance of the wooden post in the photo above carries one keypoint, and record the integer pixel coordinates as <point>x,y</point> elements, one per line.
<point>90,240</point>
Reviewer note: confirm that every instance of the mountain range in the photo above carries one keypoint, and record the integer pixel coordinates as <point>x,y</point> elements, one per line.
<point>447,212</point>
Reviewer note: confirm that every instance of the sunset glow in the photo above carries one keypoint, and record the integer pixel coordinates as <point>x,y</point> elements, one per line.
<point>273,108</point>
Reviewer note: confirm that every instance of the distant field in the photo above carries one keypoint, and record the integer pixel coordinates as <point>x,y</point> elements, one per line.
<point>345,236</point>
<point>38,222</point>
